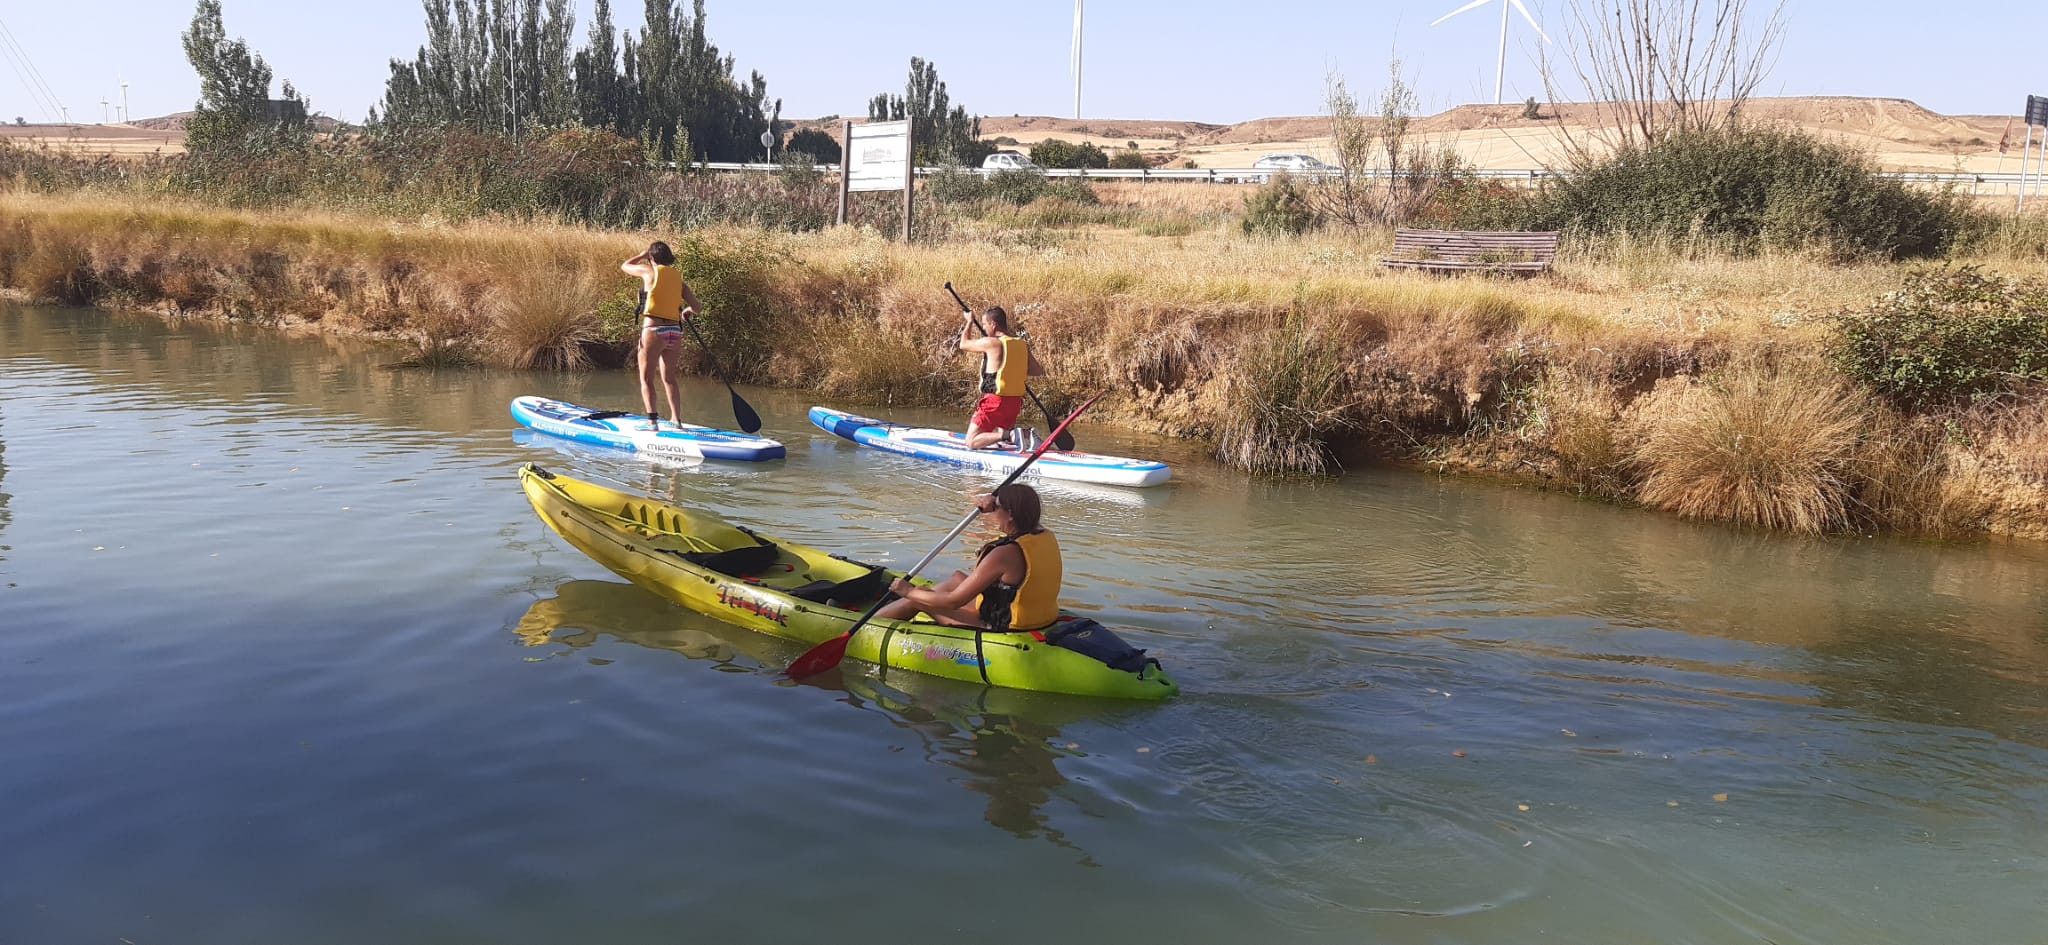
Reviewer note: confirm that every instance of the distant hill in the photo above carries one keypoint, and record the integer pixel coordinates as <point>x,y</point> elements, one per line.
<point>1897,133</point>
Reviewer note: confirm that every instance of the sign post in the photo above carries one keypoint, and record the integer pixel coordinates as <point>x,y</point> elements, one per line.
<point>768,146</point>
<point>2036,115</point>
<point>878,156</point>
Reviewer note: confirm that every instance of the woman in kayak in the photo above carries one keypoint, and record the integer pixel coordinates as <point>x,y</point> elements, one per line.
<point>665,303</point>
<point>1015,584</point>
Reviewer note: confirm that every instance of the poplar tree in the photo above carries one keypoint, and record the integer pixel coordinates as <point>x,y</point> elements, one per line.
<point>598,83</point>
<point>234,108</point>
<point>941,128</point>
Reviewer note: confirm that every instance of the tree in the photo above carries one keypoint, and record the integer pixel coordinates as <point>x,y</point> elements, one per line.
<point>505,66</point>
<point>1652,69</point>
<point>822,148</point>
<point>1370,149</point>
<point>941,128</point>
<point>19,121</point>
<point>599,86</point>
<point>234,108</point>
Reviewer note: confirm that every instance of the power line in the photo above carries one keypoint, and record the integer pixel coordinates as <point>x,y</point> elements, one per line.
<point>35,95</point>
<point>39,86</point>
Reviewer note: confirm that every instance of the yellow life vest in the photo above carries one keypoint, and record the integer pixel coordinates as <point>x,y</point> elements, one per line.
<point>666,301</point>
<point>1034,604</point>
<point>1016,367</point>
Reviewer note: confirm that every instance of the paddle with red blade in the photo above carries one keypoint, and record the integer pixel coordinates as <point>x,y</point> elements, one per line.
<point>1064,441</point>
<point>826,655</point>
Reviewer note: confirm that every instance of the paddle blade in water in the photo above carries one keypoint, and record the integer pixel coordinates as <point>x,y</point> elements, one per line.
<point>1064,442</point>
<point>742,411</point>
<point>819,658</point>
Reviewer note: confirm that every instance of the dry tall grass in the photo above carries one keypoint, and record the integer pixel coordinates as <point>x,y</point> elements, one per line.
<point>1756,445</point>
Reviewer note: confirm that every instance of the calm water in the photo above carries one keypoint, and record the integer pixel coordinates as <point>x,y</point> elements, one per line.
<point>285,657</point>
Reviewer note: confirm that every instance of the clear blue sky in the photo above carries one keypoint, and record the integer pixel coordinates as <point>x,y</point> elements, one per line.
<point>1197,60</point>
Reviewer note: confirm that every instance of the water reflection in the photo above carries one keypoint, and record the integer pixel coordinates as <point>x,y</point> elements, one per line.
<point>1010,757</point>
<point>1006,744</point>
<point>6,514</point>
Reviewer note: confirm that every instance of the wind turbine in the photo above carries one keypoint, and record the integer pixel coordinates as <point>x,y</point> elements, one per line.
<point>1500,67</point>
<point>1077,58</point>
<point>103,110</point>
<point>124,99</point>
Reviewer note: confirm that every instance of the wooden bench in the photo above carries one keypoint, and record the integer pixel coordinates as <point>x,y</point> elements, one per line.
<point>1473,251</point>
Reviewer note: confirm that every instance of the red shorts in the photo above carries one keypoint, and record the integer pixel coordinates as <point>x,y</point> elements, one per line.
<point>996,412</point>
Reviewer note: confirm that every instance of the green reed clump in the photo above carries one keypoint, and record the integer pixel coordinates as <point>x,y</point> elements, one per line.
<point>1286,394</point>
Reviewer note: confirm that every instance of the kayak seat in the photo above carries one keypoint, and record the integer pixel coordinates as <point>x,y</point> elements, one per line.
<point>741,562</point>
<point>857,590</point>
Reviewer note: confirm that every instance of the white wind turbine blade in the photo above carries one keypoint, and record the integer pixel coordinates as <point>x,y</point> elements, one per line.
<point>1524,11</point>
<point>1474,5</point>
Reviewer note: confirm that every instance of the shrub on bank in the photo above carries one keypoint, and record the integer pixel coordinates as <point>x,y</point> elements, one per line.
<point>1751,188</point>
<point>1280,207</point>
<point>1947,336</point>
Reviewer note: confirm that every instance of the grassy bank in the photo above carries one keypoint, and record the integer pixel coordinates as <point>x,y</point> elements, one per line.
<point>1673,376</point>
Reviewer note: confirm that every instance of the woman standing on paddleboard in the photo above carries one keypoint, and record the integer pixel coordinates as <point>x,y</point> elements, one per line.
<point>666,301</point>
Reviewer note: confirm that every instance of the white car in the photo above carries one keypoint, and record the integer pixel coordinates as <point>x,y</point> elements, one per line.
<point>1289,162</point>
<point>1295,162</point>
<point>1008,161</point>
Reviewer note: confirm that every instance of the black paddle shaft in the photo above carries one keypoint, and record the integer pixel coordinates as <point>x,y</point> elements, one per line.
<point>1063,440</point>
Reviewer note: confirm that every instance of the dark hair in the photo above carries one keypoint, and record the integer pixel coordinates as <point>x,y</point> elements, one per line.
<point>999,318</point>
<point>660,253</point>
<point>1021,501</point>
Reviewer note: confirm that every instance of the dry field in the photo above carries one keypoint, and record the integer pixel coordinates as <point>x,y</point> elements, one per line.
<point>1898,134</point>
<point>118,140</point>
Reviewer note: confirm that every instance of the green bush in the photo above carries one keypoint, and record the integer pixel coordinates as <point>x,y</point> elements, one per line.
<point>1071,189</point>
<point>822,147</point>
<point>1052,152</point>
<point>956,184</point>
<point>1947,336</point>
<point>1751,189</point>
<point>1280,207</point>
<point>1016,187</point>
<point>1129,160</point>
<point>734,279</point>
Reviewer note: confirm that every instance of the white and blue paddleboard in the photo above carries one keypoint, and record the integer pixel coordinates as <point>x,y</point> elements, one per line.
<point>629,432</point>
<point>949,447</point>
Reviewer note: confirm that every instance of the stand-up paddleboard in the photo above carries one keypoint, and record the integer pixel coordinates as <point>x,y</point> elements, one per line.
<point>949,447</point>
<point>629,432</point>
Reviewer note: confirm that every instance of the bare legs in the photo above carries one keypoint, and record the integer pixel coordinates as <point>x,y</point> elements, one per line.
<point>900,609</point>
<point>980,439</point>
<point>660,360</point>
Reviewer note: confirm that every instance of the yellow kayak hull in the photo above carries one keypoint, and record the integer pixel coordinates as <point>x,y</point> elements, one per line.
<point>651,543</point>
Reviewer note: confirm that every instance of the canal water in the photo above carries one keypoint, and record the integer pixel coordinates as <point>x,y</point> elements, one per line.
<point>285,656</point>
